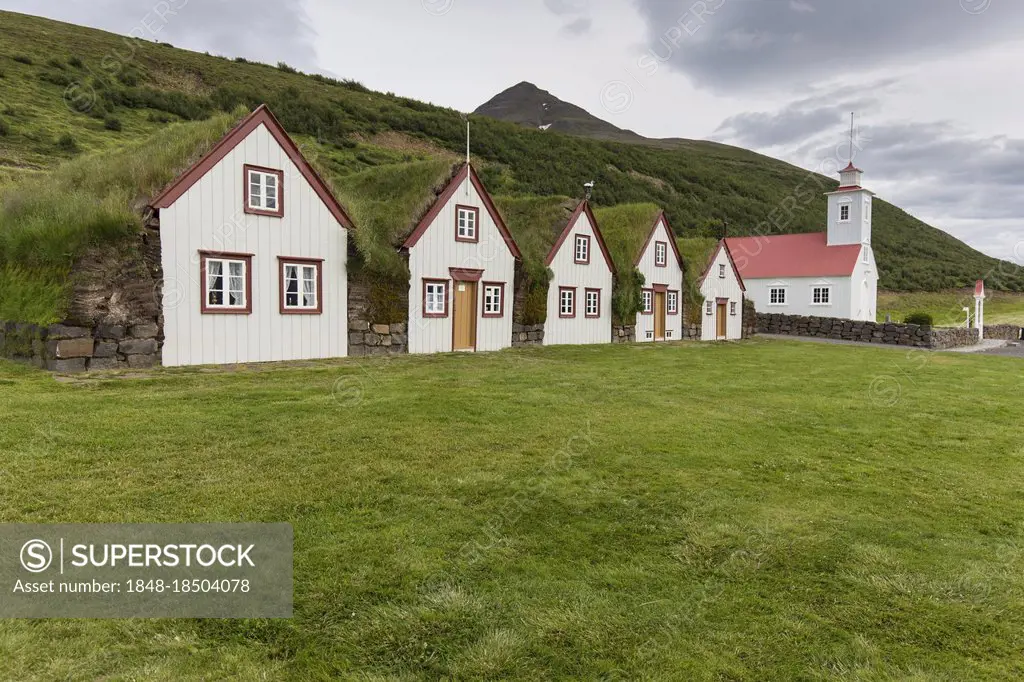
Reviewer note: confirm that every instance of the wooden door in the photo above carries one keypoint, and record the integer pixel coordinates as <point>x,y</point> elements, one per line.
<point>464,316</point>
<point>721,321</point>
<point>659,315</point>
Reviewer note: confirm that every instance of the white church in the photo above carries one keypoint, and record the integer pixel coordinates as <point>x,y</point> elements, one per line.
<point>821,274</point>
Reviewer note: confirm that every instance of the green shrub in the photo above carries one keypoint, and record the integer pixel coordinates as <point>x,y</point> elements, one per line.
<point>129,77</point>
<point>22,59</point>
<point>56,77</point>
<point>112,123</point>
<point>76,61</point>
<point>67,143</point>
<point>5,128</point>
<point>282,66</point>
<point>241,60</point>
<point>923,319</point>
<point>55,63</point>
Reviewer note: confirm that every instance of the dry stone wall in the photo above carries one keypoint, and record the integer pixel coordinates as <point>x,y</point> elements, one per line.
<point>68,348</point>
<point>1006,332</point>
<point>868,332</point>
<point>527,335</point>
<point>624,333</point>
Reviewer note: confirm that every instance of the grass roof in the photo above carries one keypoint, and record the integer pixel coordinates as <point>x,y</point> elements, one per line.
<point>535,223</point>
<point>387,202</point>
<point>695,252</point>
<point>48,221</point>
<point>625,229</point>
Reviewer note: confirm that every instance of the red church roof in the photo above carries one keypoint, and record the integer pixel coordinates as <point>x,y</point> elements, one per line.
<point>792,255</point>
<point>979,288</point>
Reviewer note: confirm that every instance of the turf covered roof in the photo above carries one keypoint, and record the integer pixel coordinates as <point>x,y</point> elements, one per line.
<point>625,228</point>
<point>536,223</point>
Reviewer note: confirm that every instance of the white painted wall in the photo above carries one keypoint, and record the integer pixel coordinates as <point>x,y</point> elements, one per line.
<point>436,252</point>
<point>568,273</point>
<point>864,295</point>
<point>670,275</point>
<point>856,230</point>
<point>799,296</point>
<point>210,217</point>
<point>715,287</point>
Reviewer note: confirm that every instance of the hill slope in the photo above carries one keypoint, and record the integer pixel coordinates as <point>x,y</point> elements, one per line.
<point>64,94</point>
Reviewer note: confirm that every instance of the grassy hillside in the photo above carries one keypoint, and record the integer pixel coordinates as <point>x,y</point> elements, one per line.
<point>858,516</point>
<point>946,307</point>
<point>68,90</point>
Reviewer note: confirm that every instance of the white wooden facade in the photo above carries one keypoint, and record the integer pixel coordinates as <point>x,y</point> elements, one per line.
<point>665,279</point>
<point>203,217</point>
<point>723,292</point>
<point>580,271</point>
<point>435,255</point>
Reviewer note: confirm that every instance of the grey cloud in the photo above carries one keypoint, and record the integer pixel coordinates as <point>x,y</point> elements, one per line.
<point>578,27</point>
<point>728,45</point>
<point>572,8</point>
<point>265,30</point>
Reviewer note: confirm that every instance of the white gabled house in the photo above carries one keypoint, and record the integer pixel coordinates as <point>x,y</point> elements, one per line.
<point>820,274</point>
<point>579,308</point>
<point>661,311</point>
<point>462,272</point>
<point>254,254</point>
<point>722,288</point>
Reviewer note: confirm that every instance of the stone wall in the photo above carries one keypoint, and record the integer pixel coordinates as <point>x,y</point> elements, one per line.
<point>952,337</point>
<point>1006,332</point>
<point>527,335</point>
<point>377,339</point>
<point>868,332</point>
<point>691,332</point>
<point>66,348</point>
<point>749,319</point>
<point>624,333</point>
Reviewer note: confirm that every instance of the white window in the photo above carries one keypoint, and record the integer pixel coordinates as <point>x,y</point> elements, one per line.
<point>264,190</point>
<point>660,253</point>
<point>777,296</point>
<point>648,301</point>
<point>301,282</point>
<point>672,302</point>
<point>650,335</point>
<point>822,296</point>
<point>493,303</point>
<point>226,283</point>
<point>582,248</point>
<point>844,213</point>
<point>721,272</point>
<point>566,302</point>
<point>593,303</point>
<point>732,307</point>
<point>708,310</point>
<point>435,298</point>
<point>466,223</point>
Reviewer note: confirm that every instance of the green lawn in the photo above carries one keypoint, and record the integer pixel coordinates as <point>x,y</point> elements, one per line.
<point>946,307</point>
<point>764,510</point>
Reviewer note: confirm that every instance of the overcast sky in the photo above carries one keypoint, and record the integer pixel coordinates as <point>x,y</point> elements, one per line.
<point>932,81</point>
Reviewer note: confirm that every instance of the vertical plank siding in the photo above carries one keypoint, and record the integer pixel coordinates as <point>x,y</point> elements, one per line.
<point>568,273</point>
<point>210,216</point>
<point>713,288</point>
<point>436,252</point>
<point>671,275</point>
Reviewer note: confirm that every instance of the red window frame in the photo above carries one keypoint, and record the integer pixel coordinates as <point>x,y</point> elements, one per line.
<point>279,213</point>
<point>319,264</point>
<point>664,252</point>
<point>644,310</point>
<point>447,293</point>
<point>483,300</point>
<point>668,297</point>
<point>560,313</point>
<point>206,309</point>
<point>586,294</point>
<point>476,224</point>
<point>576,260</point>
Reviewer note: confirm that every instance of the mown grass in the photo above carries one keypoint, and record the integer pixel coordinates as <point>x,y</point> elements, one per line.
<point>749,511</point>
<point>946,307</point>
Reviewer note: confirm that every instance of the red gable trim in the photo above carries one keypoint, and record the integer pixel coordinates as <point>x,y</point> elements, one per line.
<point>650,237</point>
<point>261,116</point>
<point>446,196</point>
<point>583,207</point>
<point>714,256</point>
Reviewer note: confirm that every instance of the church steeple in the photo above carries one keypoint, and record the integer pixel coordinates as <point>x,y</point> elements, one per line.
<point>849,210</point>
